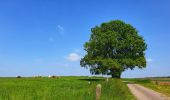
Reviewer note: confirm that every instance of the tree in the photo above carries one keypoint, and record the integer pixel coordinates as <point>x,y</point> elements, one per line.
<point>114,47</point>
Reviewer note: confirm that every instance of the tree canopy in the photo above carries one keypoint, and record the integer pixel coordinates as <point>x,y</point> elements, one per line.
<point>114,47</point>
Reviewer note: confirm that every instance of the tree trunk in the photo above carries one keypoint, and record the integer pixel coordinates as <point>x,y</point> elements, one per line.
<point>116,74</point>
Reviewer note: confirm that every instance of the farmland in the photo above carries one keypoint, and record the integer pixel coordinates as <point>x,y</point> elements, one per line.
<point>63,88</point>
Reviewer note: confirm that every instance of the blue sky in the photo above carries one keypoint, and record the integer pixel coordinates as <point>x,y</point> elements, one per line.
<point>46,37</point>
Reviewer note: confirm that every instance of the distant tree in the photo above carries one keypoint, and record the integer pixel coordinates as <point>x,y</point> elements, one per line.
<point>114,47</point>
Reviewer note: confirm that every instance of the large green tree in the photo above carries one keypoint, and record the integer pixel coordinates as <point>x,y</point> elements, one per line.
<point>114,47</point>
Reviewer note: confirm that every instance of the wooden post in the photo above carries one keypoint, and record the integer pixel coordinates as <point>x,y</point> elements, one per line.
<point>156,82</point>
<point>107,79</point>
<point>98,91</point>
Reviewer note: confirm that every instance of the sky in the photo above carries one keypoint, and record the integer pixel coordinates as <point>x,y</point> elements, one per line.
<point>46,37</point>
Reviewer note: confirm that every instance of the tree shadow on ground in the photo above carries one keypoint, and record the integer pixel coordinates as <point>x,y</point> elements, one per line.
<point>91,80</point>
<point>128,82</point>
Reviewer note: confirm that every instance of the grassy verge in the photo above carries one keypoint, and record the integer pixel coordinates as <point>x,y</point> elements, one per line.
<point>165,89</point>
<point>64,88</point>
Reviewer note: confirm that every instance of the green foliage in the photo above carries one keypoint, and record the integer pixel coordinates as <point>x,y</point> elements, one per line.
<point>114,47</point>
<point>65,88</point>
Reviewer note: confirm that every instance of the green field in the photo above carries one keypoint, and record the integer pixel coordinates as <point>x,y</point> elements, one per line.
<point>165,89</point>
<point>64,88</point>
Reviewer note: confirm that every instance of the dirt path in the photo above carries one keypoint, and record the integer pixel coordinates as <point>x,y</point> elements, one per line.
<point>143,93</point>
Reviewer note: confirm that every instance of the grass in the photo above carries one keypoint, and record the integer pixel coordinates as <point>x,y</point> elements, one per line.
<point>64,88</point>
<point>165,89</point>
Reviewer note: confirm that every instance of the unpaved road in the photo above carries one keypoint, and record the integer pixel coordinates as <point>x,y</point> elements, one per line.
<point>143,93</point>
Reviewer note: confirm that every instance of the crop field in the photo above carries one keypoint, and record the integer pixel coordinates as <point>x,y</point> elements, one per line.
<point>63,88</point>
<point>161,85</point>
